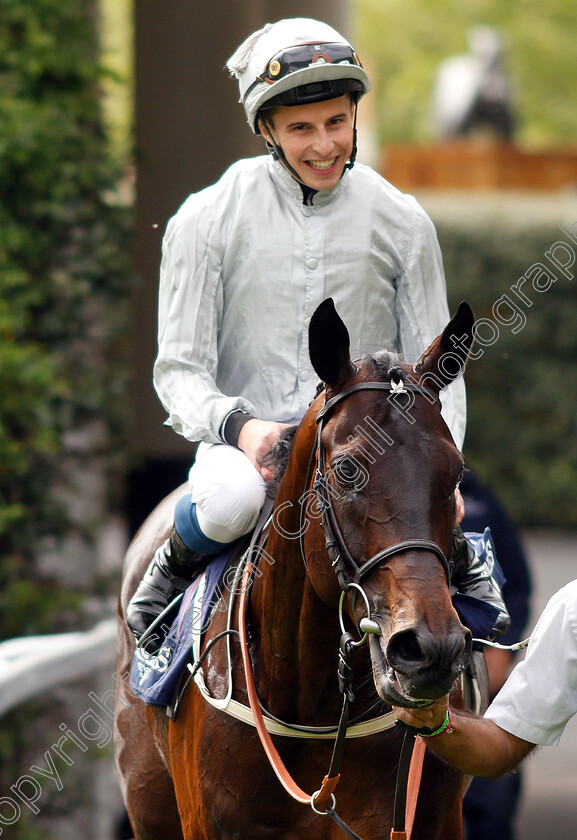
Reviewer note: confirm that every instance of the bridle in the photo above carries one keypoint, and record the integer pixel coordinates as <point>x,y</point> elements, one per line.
<point>350,571</point>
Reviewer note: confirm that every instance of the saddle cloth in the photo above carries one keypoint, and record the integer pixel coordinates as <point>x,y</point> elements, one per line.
<point>155,677</point>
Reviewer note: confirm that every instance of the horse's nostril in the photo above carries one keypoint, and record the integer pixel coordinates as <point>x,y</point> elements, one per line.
<point>405,648</point>
<point>415,649</point>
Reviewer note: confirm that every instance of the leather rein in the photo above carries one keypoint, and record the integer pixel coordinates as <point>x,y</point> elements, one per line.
<point>350,573</point>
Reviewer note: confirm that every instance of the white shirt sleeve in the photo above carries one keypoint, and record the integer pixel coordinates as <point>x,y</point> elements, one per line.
<point>540,695</point>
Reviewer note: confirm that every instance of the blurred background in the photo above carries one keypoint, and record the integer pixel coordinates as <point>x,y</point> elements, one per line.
<point>111,113</point>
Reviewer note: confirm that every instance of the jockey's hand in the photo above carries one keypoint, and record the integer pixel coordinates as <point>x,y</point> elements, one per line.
<point>431,716</point>
<point>256,438</point>
<point>459,506</point>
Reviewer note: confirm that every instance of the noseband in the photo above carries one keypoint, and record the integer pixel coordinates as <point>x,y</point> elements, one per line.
<point>348,570</point>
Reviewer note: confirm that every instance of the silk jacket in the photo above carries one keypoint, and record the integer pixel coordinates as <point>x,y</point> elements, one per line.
<point>245,263</point>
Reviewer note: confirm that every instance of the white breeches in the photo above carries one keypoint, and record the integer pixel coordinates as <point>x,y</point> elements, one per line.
<point>227,490</point>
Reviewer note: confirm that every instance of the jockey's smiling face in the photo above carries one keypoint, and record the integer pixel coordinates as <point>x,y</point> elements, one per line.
<point>317,139</point>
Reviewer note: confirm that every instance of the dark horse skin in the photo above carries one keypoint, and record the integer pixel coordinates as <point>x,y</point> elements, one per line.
<point>204,775</point>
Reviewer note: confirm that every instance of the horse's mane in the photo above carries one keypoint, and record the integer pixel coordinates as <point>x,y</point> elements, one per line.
<point>276,459</point>
<point>379,365</point>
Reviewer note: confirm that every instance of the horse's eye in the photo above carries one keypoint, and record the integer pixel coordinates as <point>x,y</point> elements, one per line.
<point>348,472</point>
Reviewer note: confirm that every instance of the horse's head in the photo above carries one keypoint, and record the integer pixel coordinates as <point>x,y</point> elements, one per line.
<point>387,473</point>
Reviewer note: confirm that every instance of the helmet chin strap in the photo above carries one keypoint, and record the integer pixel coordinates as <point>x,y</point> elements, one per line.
<point>351,161</point>
<point>277,153</point>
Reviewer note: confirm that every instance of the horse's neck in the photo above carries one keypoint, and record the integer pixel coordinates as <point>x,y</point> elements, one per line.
<point>293,654</point>
<point>295,639</point>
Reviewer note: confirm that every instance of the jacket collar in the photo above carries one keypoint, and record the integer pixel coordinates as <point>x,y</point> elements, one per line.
<point>290,187</point>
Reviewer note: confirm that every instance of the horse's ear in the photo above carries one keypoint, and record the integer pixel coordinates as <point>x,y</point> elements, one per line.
<point>329,345</point>
<point>446,357</point>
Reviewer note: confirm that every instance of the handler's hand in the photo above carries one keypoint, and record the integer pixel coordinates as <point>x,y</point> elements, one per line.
<point>431,716</point>
<point>256,438</point>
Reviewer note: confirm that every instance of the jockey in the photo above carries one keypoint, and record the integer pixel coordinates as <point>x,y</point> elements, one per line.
<point>246,262</point>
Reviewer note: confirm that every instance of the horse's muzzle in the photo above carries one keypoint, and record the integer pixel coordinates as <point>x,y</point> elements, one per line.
<point>414,667</point>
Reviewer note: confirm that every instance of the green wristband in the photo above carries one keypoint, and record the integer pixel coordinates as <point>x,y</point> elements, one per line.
<point>444,727</point>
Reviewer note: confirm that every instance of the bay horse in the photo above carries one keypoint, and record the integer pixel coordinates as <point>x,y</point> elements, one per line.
<point>363,518</point>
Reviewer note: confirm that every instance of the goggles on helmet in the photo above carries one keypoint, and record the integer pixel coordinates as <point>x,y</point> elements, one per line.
<point>305,55</point>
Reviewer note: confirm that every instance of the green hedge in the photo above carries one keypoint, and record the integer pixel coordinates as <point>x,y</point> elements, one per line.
<point>63,282</point>
<point>522,391</point>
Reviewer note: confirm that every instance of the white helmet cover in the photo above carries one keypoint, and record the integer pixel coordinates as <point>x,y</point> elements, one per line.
<point>251,61</point>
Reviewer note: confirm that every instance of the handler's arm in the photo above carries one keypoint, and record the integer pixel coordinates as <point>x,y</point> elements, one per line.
<point>475,746</point>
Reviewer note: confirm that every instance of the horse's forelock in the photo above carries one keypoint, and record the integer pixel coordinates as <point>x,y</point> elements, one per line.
<point>379,364</point>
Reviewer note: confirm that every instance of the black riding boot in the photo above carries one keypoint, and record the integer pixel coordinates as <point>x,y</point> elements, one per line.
<point>471,577</point>
<point>172,569</point>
